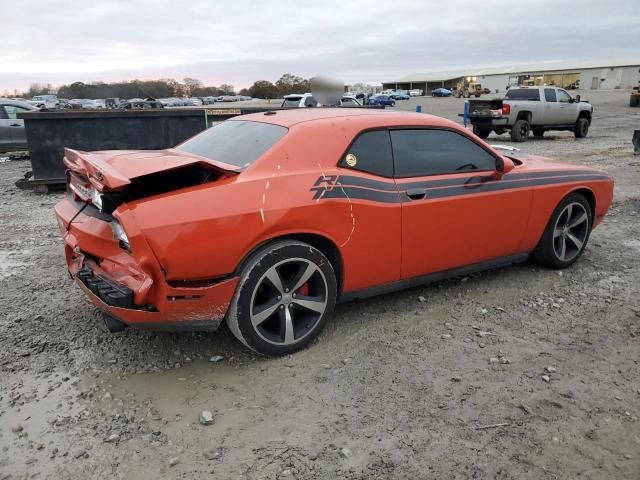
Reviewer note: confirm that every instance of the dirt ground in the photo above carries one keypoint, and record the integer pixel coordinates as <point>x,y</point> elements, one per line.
<point>397,387</point>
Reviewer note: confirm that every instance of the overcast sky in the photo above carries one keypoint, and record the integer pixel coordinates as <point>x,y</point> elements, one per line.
<point>240,41</point>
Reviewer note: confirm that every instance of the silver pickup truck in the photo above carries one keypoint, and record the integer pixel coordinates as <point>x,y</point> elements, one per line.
<point>531,109</point>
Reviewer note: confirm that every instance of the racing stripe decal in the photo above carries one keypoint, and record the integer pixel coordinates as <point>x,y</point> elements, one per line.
<point>346,186</point>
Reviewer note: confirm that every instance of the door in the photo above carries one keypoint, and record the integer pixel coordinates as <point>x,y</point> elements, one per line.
<point>365,180</point>
<point>551,112</point>
<point>6,138</point>
<point>568,108</point>
<point>15,126</point>
<point>456,210</point>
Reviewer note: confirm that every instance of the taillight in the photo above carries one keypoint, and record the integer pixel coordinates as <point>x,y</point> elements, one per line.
<point>506,109</point>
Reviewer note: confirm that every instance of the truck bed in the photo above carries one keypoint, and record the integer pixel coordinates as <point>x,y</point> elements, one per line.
<point>485,108</point>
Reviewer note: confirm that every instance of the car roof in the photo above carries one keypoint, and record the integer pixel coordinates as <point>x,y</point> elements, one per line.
<point>376,117</point>
<point>17,103</point>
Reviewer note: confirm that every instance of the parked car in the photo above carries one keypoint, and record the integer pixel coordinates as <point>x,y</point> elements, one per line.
<point>416,92</point>
<point>350,101</point>
<point>93,105</point>
<point>139,104</point>
<point>299,100</point>
<point>44,101</point>
<point>382,100</point>
<point>400,96</point>
<point>531,109</point>
<point>64,104</point>
<point>112,103</point>
<point>76,103</point>
<point>441,92</point>
<point>12,134</point>
<point>188,237</point>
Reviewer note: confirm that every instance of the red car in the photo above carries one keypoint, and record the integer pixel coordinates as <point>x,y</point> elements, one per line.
<point>267,220</point>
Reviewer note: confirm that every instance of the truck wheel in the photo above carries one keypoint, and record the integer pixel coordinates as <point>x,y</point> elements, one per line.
<point>466,94</point>
<point>582,128</point>
<point>566,234</point>
<point>286,295</point>
<point>482,132</point>
<point>520,131</point>
<point>538,132</point>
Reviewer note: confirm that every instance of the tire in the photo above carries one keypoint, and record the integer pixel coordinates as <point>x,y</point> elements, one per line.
<point>634,101</point>
<point>482,132</point>
<point>393,104</point>
<point>520,131</point>
<point>581,129</point>
<point>538,132</point>
<point>574,210</point>
<point>292,318</point>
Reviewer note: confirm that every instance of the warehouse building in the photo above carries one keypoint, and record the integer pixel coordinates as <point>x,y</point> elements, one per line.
<point>583,75</point>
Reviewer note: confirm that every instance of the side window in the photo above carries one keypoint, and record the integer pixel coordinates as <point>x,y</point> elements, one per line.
<point>11,111</point>
<point>422,152</point>
<point>3,115</point>
<point>549,94</point>
<point>310,102</point>
<point>563,96</point>
<point>371,153</point>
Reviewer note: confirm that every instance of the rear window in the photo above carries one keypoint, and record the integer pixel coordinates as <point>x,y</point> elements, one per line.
<point>235,142</point>
<point>291,102</point>
<point>523,94</point>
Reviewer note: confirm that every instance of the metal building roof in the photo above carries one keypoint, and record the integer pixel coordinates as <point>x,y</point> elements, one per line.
<point>514,69</point>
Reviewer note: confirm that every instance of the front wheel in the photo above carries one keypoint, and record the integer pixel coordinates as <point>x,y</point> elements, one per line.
<point>566,234</point>
<point>286,294</point>
<point>582,128</point>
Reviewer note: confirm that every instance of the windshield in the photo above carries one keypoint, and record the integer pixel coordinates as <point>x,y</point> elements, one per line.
<point>234,142</point>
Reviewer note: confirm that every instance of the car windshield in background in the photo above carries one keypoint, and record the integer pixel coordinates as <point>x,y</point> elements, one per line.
<point>523,94</point>
<point>235,142</point>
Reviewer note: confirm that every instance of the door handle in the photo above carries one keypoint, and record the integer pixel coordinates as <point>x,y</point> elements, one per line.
<point>416,193</point>
<point>15,125</point>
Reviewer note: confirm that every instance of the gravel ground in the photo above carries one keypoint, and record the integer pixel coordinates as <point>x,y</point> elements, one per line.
<point>520,372</point>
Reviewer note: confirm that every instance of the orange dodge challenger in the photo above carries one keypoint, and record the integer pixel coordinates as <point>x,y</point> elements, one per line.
<point>267,220</point>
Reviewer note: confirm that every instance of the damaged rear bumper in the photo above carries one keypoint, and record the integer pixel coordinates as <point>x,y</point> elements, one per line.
<point>130,287</point>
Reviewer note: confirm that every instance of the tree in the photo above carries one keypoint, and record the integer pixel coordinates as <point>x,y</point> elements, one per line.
<point>289,83</point>
<point>38,89</point>
<point>191,86</point>
<point>226,89</point>
<point>263,89</point>
<point>244,92</point>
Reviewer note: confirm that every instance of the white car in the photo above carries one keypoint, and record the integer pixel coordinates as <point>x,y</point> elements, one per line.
<point>44,101</point>
<point>300,100</point>
<point>93,105</point>
<point>350,101</point>
<point>416,92</point>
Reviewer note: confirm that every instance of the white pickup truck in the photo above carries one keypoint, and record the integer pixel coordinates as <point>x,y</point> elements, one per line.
<point>531,109</point>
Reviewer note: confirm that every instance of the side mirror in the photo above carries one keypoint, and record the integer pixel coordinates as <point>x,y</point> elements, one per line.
<point>504,165</point>
<point>577,98</point>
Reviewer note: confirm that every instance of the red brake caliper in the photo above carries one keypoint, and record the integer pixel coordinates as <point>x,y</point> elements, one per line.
<point>304,289</point>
